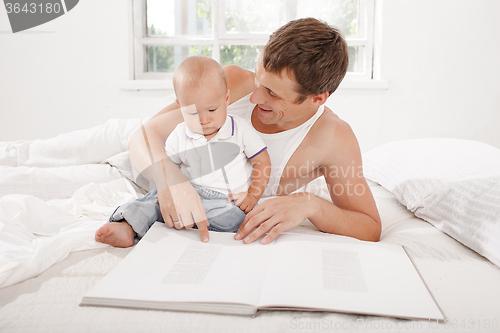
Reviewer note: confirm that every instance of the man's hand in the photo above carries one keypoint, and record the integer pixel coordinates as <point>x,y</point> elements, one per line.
<point>167,207</point>
<point>246,201</point>
<point>179,203</point>
<point>181,207</point>
<point>274,216</point>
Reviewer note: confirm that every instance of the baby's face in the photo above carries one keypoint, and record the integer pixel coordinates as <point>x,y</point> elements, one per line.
<point>204,108</point>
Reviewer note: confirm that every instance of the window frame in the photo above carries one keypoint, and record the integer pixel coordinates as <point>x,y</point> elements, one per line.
<point>220,37</point>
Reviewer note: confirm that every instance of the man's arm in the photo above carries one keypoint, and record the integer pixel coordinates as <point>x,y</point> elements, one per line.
<point>353,207</point>
<point>239,81</point>
<point>353,211</point>
<point>148,142</point>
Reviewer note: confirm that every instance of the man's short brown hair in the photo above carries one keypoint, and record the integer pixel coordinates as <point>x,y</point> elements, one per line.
<point>312,52</point>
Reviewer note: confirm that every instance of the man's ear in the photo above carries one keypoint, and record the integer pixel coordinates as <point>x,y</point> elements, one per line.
<point>178,104</point>
<point>320,99</point>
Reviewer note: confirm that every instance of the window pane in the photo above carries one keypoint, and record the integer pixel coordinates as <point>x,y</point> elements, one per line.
<point>356,59</point>
<point>179,18</point>
<point>265,16</point>
<point>245,16</point>
<point>242,55</point>
<point>342,14</point>
<point>167,58</point>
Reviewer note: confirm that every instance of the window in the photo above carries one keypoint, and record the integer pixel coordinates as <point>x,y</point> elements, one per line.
<point>235,31</point>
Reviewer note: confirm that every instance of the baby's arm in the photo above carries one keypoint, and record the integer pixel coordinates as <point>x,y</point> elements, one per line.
<point>260,177</point>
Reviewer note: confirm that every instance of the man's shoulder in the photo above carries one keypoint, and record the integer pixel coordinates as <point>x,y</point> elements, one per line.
<point>331,126</point>
<point>332,136</point>
<point>240,81</point>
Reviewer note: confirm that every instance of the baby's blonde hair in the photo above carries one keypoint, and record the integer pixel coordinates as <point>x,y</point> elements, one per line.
<point>193,69</point>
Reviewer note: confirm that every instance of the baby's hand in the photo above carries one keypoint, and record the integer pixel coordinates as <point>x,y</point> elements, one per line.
<point>244,200</point>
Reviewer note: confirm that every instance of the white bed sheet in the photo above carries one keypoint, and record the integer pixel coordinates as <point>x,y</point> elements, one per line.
<point>464,285</point>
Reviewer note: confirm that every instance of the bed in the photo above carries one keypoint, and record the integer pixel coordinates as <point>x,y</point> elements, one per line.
<point>439,198</point>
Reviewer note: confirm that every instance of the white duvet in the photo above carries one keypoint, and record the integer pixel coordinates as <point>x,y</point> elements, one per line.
<point>55,193</point>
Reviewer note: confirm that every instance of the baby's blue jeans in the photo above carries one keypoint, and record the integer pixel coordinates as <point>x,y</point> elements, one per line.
<point>142,213</point>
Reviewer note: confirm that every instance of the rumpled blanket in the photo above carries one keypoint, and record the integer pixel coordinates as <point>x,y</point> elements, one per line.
<point>55,193</point>
<point>35,234</point>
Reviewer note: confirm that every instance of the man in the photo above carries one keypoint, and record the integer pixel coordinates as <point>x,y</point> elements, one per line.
<point>300,67</point>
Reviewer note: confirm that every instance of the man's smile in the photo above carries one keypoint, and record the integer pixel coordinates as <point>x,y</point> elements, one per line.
<point>264,110</point>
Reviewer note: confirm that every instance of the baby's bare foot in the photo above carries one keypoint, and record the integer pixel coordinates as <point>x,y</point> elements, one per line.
<point>118,234</point>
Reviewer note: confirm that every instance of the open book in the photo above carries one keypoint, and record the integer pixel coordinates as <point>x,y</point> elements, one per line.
<point>173,270</point>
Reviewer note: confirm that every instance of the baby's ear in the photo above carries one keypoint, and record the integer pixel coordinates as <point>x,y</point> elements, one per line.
<point>228,99</point>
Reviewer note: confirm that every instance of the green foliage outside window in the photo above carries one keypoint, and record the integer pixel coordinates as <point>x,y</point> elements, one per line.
<point>341,13</point>
<point>160,58</point>
<point>244,56</point>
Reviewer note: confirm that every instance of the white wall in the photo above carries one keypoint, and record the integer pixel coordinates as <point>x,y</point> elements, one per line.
<point>64,75</point>
<point>441,59</point>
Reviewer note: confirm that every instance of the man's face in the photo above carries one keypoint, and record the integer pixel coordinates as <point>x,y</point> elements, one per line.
<point>275,97</point>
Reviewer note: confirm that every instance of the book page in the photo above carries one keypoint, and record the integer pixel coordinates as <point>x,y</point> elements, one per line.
<point>343,274</point>
<point>193,265</point>
<point>170,265</point>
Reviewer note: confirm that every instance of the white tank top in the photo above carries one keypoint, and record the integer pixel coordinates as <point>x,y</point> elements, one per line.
<point>280,145</point>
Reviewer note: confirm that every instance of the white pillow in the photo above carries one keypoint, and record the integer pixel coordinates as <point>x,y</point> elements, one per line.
<point>452,183</point>
<point>88,146</point>
<point>124,165</point>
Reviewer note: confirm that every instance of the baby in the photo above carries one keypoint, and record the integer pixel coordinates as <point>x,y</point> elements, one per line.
<point>222,156</point>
